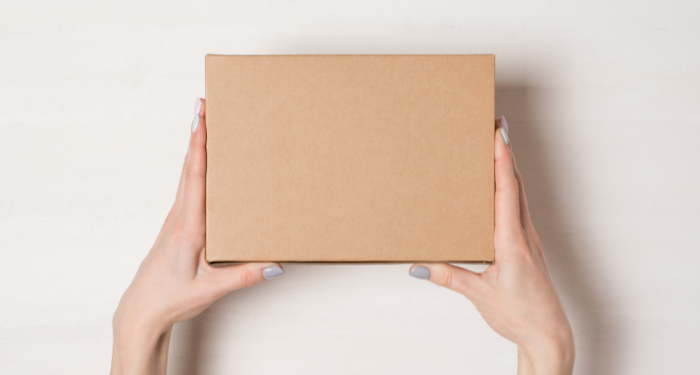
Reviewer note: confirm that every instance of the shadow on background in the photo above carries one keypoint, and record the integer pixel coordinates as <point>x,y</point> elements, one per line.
<point>188,345</point>
<point>565,245</point>
<point>597,337</point>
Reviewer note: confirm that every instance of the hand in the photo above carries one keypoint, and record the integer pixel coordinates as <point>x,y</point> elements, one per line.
<point>515,295</point>
<point>175,282</point>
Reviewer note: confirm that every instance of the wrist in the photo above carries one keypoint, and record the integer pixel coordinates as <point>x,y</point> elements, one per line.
<point>549,356</point>
<point>140,344</point>
<point>140,316</point>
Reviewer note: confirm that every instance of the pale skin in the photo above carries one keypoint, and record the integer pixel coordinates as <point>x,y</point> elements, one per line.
<point>515,295</point>
<point>174,283</point>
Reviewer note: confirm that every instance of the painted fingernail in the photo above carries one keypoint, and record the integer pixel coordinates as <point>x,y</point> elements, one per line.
<point>272,272</point>
<point>504,124</point>
<point>195,122</point>
<point>504,133</point>
<point>420,272</point>
<point>197,107</point>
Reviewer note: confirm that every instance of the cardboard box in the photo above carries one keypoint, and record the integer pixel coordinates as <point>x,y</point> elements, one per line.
<point>350,158</point>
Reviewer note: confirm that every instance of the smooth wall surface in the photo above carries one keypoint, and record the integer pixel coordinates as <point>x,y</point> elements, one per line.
<point>601,97</point>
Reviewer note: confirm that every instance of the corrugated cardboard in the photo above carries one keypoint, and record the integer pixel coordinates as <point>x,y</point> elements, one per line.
<point>350,158</point>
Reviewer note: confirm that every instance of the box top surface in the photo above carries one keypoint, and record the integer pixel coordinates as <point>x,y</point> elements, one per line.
<point>350,158</point>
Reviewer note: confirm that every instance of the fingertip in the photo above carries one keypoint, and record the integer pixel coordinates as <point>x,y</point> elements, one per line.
<point>199,107</point>
<point>504,133</point>
<point>203,107</point>
<point>504,124</point>
<point>272,272</point>
<point>196,169</point>
<point>199,111</point>
<point>419,272</point>
<point>199,130</point>
<point>501,138</point>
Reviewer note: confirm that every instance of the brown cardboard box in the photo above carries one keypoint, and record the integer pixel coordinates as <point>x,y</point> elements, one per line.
<point>350,158</point>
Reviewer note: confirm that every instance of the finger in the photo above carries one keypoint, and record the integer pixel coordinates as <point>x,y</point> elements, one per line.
<point>177,205</point>
<point>454,278</point>
<point>199,108</point>
<point>522,198</point>
<point>175,209</point>
<point>228,279</point>
<point>193,201</point>
<point>524,212</point>
<point>525,220</point>
<point>507,205</point>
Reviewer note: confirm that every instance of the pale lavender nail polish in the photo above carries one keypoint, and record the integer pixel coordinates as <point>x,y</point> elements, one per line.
<point>504,124</point>
<point>504,133</point>
<point>272,272</point>
<point>197,106</point>
<point>420,272</point>
<point>195,122</point>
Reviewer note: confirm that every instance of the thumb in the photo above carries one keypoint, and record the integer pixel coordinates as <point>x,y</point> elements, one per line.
<point>228,279</point>
<point>458,279</point>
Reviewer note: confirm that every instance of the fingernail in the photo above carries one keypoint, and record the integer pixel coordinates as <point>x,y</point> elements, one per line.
<point>504,133</point>
<point>195,122</point>
<point>420,272</point>
<point>504,124</point>
<point>197,107</point>
<point>272,272</point>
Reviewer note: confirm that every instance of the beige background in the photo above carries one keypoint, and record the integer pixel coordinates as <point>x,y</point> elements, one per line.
<point>602,100</point>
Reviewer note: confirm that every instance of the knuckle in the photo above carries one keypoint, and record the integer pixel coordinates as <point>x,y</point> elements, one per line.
<point>445,278</point>
<point>510,186</point>
<point>518,176</point>
<point>187,226</point>
<point>185,230</point>
<point>513,246</point>
<point>522,253</point>
<point>526,256</point>
<point>179,224</point>
<point>502,154</point>
<point>194,229</point>
<point>179,229</point>
<point>246,278</point>
<point>193,173</point>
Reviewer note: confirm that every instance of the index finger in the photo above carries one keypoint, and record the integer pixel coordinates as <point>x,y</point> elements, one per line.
<point>196,169</point>
<point>507,199</point>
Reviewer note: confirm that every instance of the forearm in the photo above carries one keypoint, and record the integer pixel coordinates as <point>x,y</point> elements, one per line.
<point>140,349</point>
